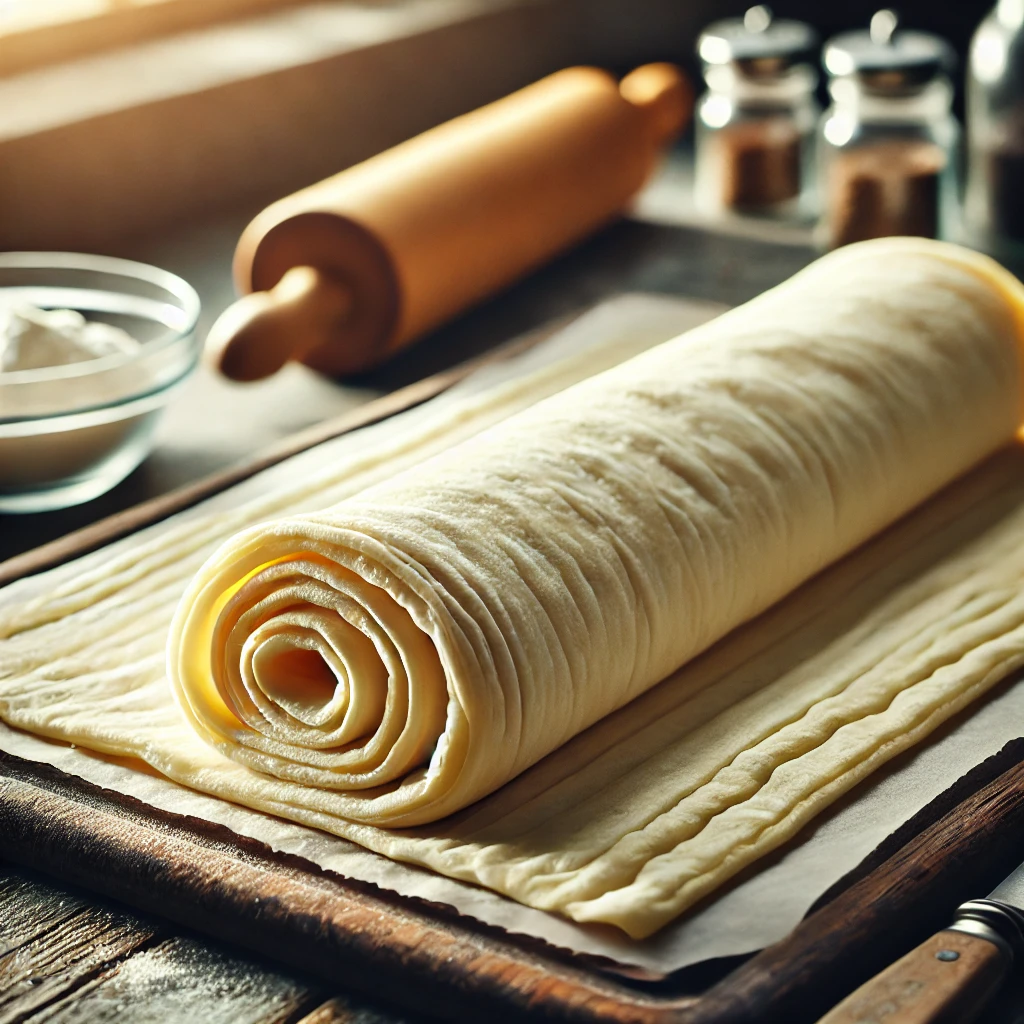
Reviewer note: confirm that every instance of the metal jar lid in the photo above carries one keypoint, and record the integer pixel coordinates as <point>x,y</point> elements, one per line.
<point>887,59</point>
<point>758,44</point>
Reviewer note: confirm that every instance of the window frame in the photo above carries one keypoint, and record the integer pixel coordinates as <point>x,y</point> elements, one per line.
<point>122,23</point>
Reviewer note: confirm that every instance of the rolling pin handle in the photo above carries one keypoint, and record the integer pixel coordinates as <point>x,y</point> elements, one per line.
<point>258,334</point>
<point>665,95</point>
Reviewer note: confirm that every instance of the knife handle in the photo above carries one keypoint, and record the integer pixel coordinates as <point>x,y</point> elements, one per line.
<point>948,978</point>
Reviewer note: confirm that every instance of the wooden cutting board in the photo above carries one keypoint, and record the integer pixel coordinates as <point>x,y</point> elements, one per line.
<point>429,957</point>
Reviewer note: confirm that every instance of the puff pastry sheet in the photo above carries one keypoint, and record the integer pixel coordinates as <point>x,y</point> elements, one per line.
<point>497,651</point>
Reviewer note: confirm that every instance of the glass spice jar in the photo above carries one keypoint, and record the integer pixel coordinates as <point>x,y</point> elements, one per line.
<point>755,123</point>
<point>887,146</point>
<point>994,205</point>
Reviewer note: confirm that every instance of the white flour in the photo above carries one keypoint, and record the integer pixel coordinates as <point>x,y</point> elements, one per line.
<point>31,338</point>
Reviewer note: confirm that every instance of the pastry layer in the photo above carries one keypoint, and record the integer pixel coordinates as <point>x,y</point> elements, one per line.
<point>762,447</point>
<point>421,643</point>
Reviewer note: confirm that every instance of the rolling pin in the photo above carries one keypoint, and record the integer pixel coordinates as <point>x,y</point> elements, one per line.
<point>348,271</point>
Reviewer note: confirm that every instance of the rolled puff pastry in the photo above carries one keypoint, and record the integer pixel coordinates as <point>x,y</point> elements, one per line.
<point>421,643</point>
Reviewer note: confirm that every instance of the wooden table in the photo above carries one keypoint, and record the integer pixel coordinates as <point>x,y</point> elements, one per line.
<point>67,956</point>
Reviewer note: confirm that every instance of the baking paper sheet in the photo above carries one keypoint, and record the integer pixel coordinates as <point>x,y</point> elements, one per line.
<point>756,909</point>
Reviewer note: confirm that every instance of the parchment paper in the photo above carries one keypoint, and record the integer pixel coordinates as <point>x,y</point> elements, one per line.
<point>758,908</point>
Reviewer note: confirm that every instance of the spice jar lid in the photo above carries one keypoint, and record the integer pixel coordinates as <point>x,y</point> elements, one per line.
<point>887,59</point>
<point>758,44</point>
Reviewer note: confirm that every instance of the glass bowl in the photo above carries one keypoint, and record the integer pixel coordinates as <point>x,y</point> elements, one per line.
<point>69,433</point>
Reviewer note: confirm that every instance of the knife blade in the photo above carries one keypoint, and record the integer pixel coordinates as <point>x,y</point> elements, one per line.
<point>1011,891</point>
<point>951,976</point>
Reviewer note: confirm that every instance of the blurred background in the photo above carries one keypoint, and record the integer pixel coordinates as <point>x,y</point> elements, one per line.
<point>156,129</point>
<point>118,117</point>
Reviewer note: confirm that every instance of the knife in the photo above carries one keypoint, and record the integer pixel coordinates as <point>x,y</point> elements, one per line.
<point>951,976</point>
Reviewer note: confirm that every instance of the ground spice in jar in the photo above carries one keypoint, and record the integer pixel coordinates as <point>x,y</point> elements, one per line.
<point>884,188</point>
<point>754,164</point>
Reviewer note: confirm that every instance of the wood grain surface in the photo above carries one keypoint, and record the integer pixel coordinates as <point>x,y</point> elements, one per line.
<point>65,956</point>
<point>79,941</point>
